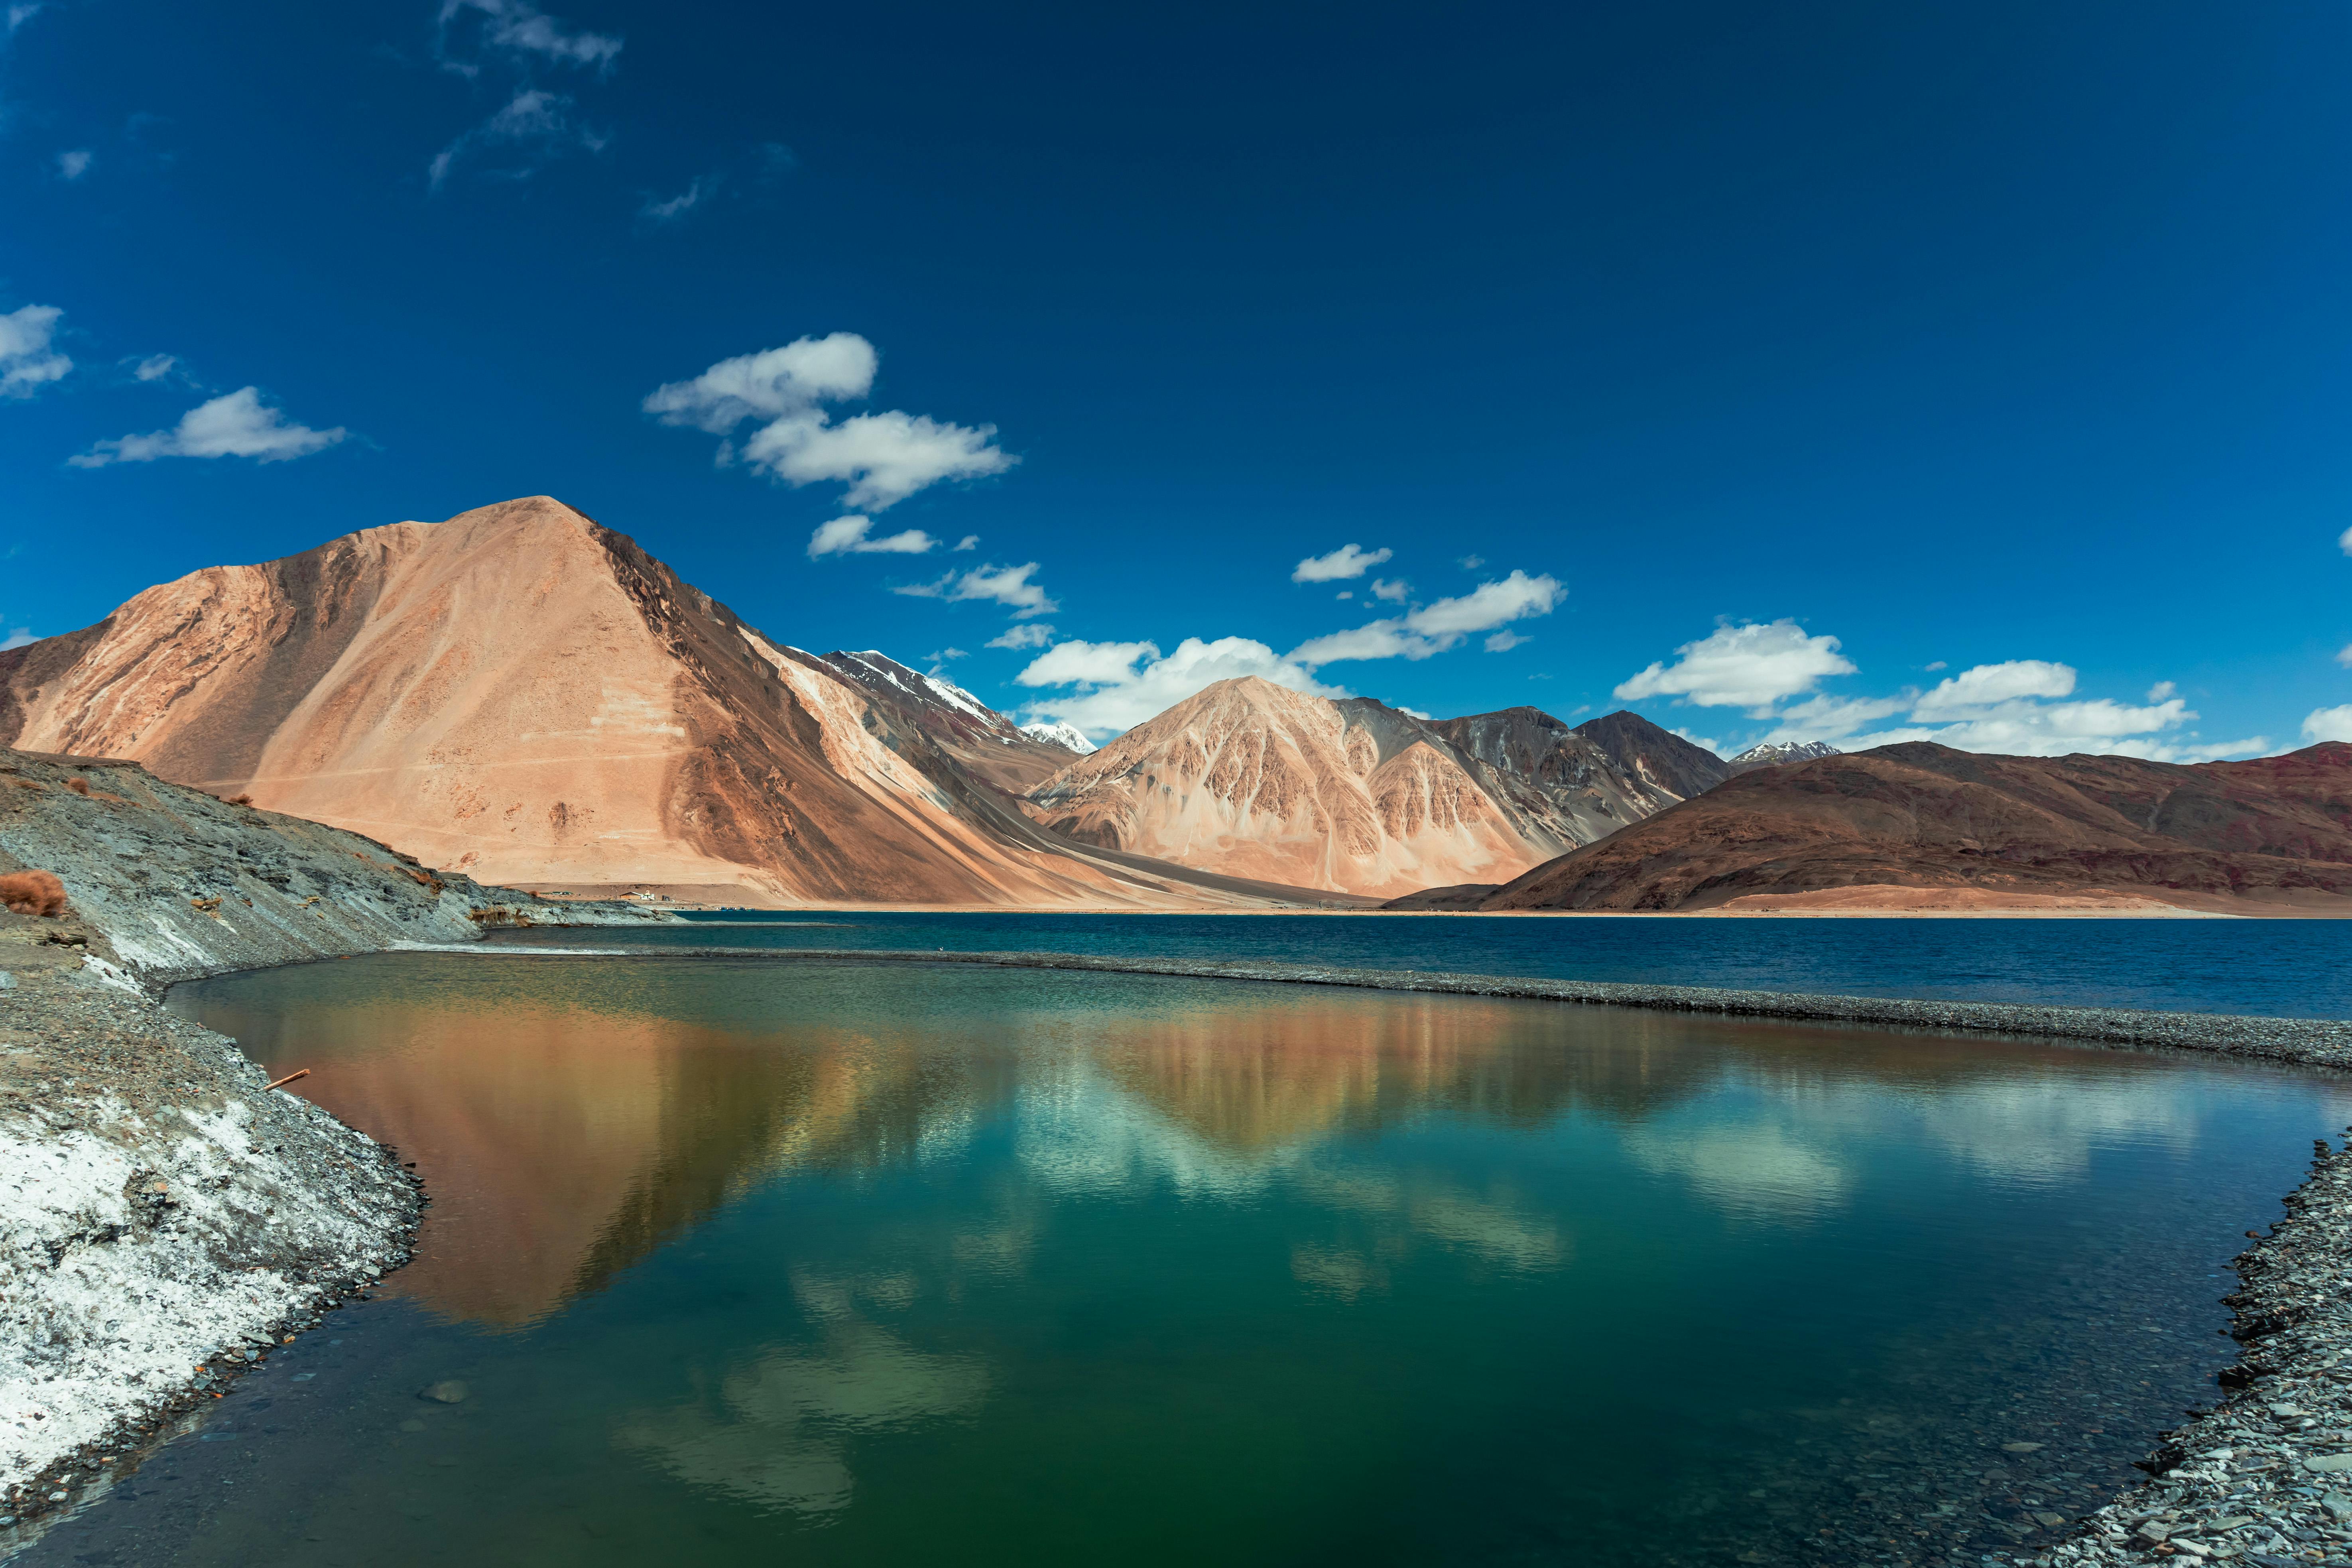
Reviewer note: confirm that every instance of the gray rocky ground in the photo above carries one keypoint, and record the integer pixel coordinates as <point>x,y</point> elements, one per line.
<point>165,1217</point>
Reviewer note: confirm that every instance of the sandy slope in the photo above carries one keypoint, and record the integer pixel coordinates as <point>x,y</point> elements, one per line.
<point>526,696</point>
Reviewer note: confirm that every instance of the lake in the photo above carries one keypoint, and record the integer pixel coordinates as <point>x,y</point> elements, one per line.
<point>2281,968</point>
<point>740,1262</point>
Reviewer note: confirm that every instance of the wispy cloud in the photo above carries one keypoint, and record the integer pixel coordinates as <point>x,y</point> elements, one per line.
<point>74,164</point>
<point>519,30</point>
<point>851,536</point>
<point>750,176</point>
<point>1006,586</point>
<point>29,359</point>
<point>1432,629</point>
<point>1343,563</point>
<point>883,457</point>
<point>1025,634</point>
<point>154,367</point>
<point>664,211</point>
<point>235,424</point>
<point>535,126</point>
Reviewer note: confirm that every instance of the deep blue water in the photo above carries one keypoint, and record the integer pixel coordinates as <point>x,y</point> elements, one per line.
<point>2285,968</point>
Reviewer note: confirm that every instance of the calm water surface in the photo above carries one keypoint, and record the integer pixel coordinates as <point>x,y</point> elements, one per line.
<point>744,1263</point>
<point>2291,968</point>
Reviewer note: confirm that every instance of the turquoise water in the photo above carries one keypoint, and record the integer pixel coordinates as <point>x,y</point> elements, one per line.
<point>743,1263</point>
<point>2283,968</point>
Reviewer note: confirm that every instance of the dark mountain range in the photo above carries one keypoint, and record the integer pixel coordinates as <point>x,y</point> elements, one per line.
<point>2275,832</point>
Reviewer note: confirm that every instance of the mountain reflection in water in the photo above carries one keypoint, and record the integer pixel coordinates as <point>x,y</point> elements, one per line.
<point>855,1263</point>
<point>569,1117</point>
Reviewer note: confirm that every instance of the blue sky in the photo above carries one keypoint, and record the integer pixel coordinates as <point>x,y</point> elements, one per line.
<point>1838,371</point>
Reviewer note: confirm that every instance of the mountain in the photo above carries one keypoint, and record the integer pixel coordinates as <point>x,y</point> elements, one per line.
<point>1756,757</point>
<point>527,697</point>
<point>983,740</point>
<point>1597,790</point>
<point>1251,779</point>
<point>1668,768</point>
<point>1922,824</point>
<point>1066,736</point>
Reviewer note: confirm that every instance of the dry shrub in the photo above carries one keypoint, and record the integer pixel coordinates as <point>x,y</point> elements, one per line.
<point>79,787</point>
<point>241,800</point>
<point>33,893</point>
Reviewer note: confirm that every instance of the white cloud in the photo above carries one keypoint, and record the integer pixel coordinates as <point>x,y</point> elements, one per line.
<point>1433,628</point>
<point>1471,563</point>
<point>538,122</point>
<point>1973,691</point>
<point>1121,685</point>
<point>1026,634</point>
<point>1077,663</point>
<point>882,457</point>
<point>662,213</point>
<point>235,424</point>
<point>155,367</point>
<point>20,15</point>
<point>1828,718</point>
<point>523,30</point>
<point>2022,707</point>
<point>1345,594</point>
<point>2344,541</point>
<point>848,536</point>
<point>17,638</point>
<point>969,542</point>
<point>2328,725</point>
<point>1703,742</point>
<point>27,359</point>
<point>1749,666</point>
<point>1395,593</point>
<point>1503,642</point>
<point>2344,656</point>
<point>73,165</point>
<point>1343,563</point>
<point>2027,727</point>
<point>1414,712</point>
<point>1006,586</point>
<point>945,655</point>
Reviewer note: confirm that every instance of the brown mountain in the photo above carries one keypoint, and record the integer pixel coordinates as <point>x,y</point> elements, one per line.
<point>1671,768</point>
<point>527,697</point>
<point>2272,832</point>
<point>1251,779</point>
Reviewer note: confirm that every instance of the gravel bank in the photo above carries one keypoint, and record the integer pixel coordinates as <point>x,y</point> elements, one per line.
<point>165,1217</point>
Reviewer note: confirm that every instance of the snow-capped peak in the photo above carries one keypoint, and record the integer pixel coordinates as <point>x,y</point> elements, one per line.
<point>1786,751</point>
<point>1066,736</point>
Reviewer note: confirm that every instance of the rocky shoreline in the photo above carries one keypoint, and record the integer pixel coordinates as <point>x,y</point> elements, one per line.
<point>166,1216</point>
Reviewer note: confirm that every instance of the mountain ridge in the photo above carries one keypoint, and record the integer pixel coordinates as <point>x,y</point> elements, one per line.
<point>1347,794</point>
<point>2272,832</point>
<point>526,695</point>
